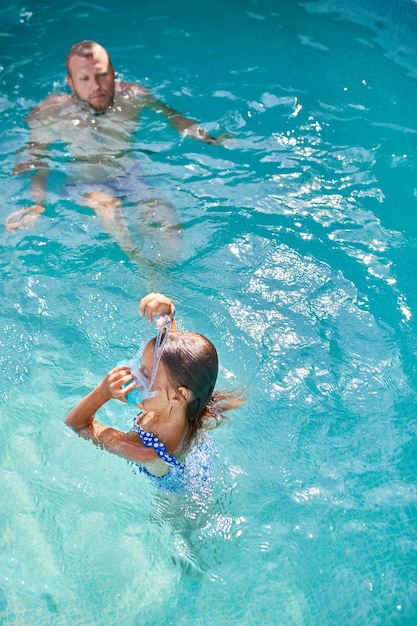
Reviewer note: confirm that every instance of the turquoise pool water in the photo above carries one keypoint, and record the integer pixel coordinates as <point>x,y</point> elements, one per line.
<point>299,262</point>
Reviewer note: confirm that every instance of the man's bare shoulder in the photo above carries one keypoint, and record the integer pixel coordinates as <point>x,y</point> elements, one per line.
<point>133,89</point>
<point>52,103</point>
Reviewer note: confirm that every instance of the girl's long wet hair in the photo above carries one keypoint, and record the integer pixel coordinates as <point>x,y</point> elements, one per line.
<point>191,361</point>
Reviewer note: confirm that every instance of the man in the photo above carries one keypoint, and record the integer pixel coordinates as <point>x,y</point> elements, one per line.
<point>95,123</point>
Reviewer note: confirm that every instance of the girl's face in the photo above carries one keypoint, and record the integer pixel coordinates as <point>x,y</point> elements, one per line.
<point>161,400</point>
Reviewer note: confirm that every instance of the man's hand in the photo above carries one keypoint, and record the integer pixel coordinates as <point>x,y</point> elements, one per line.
<point>195,132</point>
<point>223,139</point>
<point>24,219</point>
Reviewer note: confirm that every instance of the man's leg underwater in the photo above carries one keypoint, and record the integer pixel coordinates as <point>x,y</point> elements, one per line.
<point>158,228</point>
<point>154,220</point>
<point>109,210</point>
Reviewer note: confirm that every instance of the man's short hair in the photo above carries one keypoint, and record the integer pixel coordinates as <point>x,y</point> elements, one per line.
<point>84,49</point>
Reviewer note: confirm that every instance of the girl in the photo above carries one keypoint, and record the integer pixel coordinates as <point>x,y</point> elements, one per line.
<point>176,398</point>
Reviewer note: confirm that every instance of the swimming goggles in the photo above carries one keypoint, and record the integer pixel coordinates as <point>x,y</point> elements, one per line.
<point>143,384</point>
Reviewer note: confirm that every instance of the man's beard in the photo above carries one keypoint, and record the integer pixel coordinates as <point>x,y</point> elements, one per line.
<point>87,106</point>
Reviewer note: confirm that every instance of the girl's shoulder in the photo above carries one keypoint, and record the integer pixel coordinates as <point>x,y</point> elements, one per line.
<point>171,434</point>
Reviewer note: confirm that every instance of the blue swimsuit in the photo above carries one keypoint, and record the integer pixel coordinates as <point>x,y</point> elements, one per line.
<point>193,475</point>
<point>151,441</point>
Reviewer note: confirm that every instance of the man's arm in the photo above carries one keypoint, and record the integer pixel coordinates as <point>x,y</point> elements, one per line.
<point>27,217</point>
<point>185,126</point>
<point>33,161</point>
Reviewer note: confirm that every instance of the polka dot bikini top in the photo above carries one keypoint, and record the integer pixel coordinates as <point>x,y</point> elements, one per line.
<point>151,441</point>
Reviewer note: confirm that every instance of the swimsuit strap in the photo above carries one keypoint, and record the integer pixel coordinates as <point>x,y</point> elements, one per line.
<point>151,441</point>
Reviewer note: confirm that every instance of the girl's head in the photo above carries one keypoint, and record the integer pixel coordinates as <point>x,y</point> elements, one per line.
<point>189,367</point>
<point>190,361</point>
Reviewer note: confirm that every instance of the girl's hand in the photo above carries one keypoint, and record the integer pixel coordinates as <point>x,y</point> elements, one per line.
<point>113,385</point>
<point>156,304</point>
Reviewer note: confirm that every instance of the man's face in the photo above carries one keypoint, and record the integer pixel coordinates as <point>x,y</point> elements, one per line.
<point>92,79</point>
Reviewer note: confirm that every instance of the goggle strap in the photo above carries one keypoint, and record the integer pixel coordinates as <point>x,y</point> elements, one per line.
<point>163,323</point>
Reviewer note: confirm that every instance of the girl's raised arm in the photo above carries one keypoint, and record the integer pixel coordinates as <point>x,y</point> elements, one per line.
<point>157,304</point>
